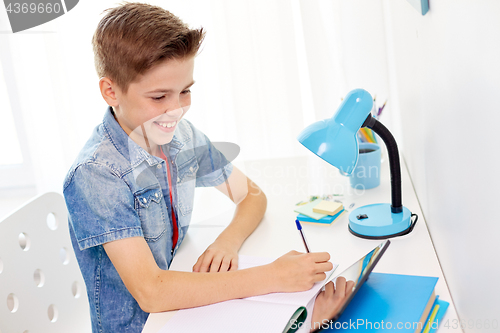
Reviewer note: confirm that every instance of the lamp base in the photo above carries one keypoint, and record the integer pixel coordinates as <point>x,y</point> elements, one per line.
<point>377,221</point>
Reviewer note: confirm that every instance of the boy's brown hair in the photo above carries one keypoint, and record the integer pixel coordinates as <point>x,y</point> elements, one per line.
<point>132,38</point>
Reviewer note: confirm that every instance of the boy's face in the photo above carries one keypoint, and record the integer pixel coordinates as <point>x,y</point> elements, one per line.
<point>156,102</point>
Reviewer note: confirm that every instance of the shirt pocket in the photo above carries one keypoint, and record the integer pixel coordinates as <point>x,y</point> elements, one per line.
<point>186,182</point>
<point>152,211</point>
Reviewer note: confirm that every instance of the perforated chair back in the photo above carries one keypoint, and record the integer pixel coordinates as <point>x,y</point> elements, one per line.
<point>41,287</point>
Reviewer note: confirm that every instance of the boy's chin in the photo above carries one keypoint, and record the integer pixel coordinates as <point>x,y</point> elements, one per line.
<point>162,139</point>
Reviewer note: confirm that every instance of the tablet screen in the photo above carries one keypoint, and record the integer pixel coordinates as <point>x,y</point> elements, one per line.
<point>358,272</point>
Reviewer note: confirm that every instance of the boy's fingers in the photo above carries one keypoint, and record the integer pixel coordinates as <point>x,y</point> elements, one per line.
<point>224,267</point>
<point>234,265</point>
<point>196,267</point>
<point>216,263</point>
<point>205,264</point>
<point>320,256</point>
<point>214,267</point>
<point>329,289</point>
<point>349,287</point>
<point>340,285</point>
<point>319,277</point>
<point>324,267</point>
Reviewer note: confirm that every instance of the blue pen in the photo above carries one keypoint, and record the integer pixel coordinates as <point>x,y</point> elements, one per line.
<point>299,227</point>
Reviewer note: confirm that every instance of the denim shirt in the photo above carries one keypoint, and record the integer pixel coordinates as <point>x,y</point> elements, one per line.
<point>116,190</point>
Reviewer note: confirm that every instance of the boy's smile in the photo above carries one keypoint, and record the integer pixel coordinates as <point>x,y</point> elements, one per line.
<point>166,126</point>
<point>155,103</point>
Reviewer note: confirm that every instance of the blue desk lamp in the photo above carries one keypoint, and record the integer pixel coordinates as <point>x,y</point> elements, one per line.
<point>335,141</point>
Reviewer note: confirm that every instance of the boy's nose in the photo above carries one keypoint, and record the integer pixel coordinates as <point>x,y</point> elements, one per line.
<point>177,112</point>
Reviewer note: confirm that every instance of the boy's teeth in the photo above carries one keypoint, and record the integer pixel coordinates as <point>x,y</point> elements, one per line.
<point>169,125</point>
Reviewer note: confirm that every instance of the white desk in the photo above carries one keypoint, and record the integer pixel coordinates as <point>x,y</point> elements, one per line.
<point>285,182</point>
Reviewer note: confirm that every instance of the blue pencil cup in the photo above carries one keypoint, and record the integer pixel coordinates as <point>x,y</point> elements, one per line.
<point>366,175</point>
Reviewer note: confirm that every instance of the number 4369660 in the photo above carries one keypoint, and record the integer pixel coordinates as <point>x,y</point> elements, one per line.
<point>40,8</point>
<point>471,324</point>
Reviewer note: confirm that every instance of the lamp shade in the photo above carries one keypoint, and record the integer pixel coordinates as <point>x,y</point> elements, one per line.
<point>334,139</point>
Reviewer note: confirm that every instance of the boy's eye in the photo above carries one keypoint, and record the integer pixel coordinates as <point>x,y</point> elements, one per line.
<point>159,98</point>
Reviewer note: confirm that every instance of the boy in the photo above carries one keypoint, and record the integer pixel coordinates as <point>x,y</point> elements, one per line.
<point>130,191</point>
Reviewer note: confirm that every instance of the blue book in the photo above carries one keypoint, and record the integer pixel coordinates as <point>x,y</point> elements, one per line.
<point>432,323</point>
<point>328,219</point>
<point>392,302</point>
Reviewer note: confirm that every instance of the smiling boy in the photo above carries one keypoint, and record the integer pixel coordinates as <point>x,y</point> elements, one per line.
<point>130,191</point>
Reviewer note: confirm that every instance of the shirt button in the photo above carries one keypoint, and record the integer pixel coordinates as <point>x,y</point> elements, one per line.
<point>172,162</point>
<point>172,251</point>
<point>178,179</point>
<point>144,200</point>
<point>191,169</point>
<point>156,195</point>
<point>159,166</point>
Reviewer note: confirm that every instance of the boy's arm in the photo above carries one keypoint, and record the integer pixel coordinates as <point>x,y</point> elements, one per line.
<point>158,290</point>
<point>251,202</point>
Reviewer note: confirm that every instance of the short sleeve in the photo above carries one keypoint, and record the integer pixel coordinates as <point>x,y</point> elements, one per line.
<point>100,206</point>
<point>214,168</point>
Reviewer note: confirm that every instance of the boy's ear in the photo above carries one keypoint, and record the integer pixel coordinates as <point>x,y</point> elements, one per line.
<point>108,91</point>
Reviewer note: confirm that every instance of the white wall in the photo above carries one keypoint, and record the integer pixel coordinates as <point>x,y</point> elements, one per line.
<point>346,49</point>
<point>446,73</point>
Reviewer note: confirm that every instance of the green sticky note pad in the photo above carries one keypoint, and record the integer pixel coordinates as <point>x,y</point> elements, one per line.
<point>308,210</point>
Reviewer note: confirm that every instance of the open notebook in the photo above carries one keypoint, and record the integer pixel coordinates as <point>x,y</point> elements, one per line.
<point>266,313</point>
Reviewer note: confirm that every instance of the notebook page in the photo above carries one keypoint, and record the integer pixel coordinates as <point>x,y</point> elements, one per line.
<point>231,316</point>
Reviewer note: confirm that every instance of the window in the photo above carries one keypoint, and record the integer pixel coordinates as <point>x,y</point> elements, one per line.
<point>10,150</point>
<point>15,164</point>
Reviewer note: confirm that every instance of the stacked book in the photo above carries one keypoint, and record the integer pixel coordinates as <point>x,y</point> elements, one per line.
<point>393,302</point>
<point>319,211</point>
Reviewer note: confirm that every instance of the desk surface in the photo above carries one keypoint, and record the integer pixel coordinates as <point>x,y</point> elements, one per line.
<point>285,182</point>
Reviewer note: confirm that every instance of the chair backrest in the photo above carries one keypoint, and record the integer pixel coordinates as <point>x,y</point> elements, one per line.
<point>41,287</point>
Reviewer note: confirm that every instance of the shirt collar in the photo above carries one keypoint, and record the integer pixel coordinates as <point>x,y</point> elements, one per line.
<point>127,147</point>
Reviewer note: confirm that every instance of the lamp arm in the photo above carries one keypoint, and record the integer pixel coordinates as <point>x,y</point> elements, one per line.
<point>395,167</point>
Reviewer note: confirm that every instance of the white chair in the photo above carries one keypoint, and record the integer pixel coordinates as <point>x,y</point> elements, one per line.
<point>41,287</point>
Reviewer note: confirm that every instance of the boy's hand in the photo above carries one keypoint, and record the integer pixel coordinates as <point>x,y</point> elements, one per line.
<point>297,271</point>
<point>220,256</point>
<point>329,301</point>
